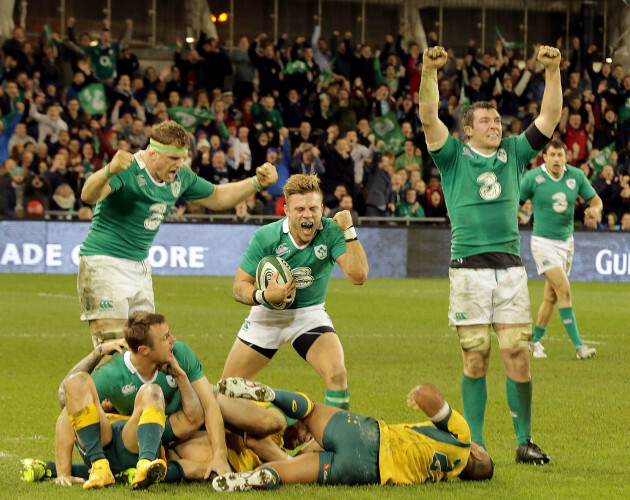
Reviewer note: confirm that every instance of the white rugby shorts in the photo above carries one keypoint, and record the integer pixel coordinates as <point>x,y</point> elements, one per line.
<point>270,329</point>
<point>487,296</point>
<point>550,254</point>
<point>113,288</point>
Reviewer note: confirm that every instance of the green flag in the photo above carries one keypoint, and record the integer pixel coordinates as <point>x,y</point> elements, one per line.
<point>190,118</point>
<point>92,99</point>
<point>387,129</point>
<point>600,159</point>
<point>508,45</point>
<point>295,67</point>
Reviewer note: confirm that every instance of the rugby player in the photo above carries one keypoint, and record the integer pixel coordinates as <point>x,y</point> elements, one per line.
<point>488,282</point>
<point>133,194</point>
<point>553,189</point>
<point>311,245</point>
<point>362,450</point>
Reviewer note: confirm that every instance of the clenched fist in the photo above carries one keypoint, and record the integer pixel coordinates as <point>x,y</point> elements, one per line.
<point>121,161</point>
<point>549,57</point>
<point>434,58</point>
<point>343,219</point>
<point>266,174</point>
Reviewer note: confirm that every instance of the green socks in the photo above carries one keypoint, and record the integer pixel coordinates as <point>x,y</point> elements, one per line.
<point>149,432</point>
<point>519,398</point>
<point>340,399</point>
<point>570,325</point>
<point>474,396</point>
<point>293,404</point>
<point>87,427</point>
<point>539,333</point>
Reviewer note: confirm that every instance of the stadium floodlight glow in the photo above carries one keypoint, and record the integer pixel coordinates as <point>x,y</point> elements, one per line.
<point>609,60</point>
<point>223,17</point>
<point>213,17</point>
<point>190,39</point>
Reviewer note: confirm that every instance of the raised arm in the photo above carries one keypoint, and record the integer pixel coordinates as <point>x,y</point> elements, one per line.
<point>435,131</point>
<point>551,107</point>
<point>353,263</point>
<point>97,186</point>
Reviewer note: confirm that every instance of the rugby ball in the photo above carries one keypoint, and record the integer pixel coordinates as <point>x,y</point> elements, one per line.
<point>265,270</point>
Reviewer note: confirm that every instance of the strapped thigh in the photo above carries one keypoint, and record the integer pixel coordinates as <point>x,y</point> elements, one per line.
<point>515,336</point>
<point>475,338</point>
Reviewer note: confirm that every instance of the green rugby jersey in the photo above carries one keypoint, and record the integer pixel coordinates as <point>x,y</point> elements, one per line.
<point>482,194</point>
<point>311,265</point>
<point>103,59</point>
<point>126,221</point>
<point>118,380</point>
<point>554,199</point>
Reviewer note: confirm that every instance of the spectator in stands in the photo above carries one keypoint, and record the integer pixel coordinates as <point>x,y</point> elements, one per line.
<point>409,206</point>
<point>339,167</point>
<point>410,159</point>
<point>612,222</point>
<point>345,203</point>
<point>104,55</point>
<point>306,161</point>
<point>37,191</point>
<point>608,188</point>
<point>591,222</point>
<point>13,195</point>
<point>378,200</point>
<point>436,207</point>
<point>6,134</point>
<point>268,68</point>
<point>575,134</point>
<point>625,222</point>
<point>360,154</point>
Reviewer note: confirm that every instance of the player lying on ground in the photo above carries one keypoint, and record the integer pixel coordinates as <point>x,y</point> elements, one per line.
<point>311,245</point>
<point>362,450</point>
<point>553,189</point>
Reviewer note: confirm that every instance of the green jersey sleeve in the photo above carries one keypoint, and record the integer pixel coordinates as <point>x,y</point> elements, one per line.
<point>338,241</point>
<point>447,157</point>
<point>104,378</point>
<point>586,191</point>
<point>188,360</point>
<point>253,255</point>
<point>197,188</point>
<point>524,151</point>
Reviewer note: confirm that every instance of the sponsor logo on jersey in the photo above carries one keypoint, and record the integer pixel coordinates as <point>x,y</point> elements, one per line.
<point>321,251</point>
<point>141,180</point>
<point>282,249</point>
<point>245,325</point>
<point>502,155</point>
<point>106,304</point>
<point>571,183</point>
<point>540,179</point>
<point>170,380</point>
<point>491,189</point>
<point>467,152</point>
<point>461,316</point>
<point>303,277</point>
<point>176,187</point>
<point>128,389</point>
<point>546,262</point>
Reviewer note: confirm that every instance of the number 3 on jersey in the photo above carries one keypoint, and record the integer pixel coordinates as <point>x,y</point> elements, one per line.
<point>157,216</point>
<point>491,189</point>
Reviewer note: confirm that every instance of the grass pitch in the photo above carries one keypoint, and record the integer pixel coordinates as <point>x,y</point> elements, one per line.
<point>395,335</point>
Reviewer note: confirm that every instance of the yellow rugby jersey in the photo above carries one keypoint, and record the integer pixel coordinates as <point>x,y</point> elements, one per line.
<point>424,452</point>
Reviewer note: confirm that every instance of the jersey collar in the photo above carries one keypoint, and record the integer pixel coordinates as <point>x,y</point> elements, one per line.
<point>482,154</point>
<point>287,230</point>
<point>133,370</point>
<point>544,169</point>
<point>143,166</point>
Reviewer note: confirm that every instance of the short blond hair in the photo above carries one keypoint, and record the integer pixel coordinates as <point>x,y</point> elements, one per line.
<point>172,134</point>
<point>302,184</point>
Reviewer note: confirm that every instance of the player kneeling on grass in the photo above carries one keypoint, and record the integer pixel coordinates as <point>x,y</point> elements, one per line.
<point>311,245</point>
<point>553,189</point>
<point>362,450</point>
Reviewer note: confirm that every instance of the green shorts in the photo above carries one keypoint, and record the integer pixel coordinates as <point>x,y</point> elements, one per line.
<point>119,457</point>
<point>351,445</point>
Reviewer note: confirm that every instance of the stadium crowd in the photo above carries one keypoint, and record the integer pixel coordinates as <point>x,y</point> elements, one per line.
<point>346,112</point>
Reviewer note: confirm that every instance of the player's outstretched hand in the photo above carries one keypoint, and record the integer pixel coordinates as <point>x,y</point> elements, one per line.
<point>68,480</point>
<point>343,219</point>
<point>121,161</point>
<point>549,57</point>
<point>277,293</point>
<point>411,399</point>
<point>434,58</point>
<point>266,174</point>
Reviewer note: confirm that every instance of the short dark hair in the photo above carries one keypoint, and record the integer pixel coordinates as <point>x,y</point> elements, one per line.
<point>137,328</point>
<point>556,144</point>
<point>469,114</point>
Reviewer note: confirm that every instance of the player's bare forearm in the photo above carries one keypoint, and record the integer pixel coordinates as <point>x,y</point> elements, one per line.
<point>266,449</point>
<point>191,405</point>
<point>213,421</point>
<point>354,263</point>
<point>427,398</point>
<point>596,206</point>
<point>429,98</point>
<point>551,107</point>
<point>227,196</point>
<point>243,288</point>
<point>96,188</point>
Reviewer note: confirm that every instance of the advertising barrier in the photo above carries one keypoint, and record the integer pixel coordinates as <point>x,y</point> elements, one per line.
<point>216,250</point>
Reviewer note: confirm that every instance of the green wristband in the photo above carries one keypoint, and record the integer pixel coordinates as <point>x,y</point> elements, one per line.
<point>108,174</point>
<point>256,183</point>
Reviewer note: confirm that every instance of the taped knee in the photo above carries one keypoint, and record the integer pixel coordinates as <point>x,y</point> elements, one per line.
<point>475,339</point>
<point>106,334</point>
<point>515,336</point>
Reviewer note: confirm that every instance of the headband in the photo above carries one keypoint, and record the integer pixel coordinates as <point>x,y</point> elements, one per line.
<point>167,148</point>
